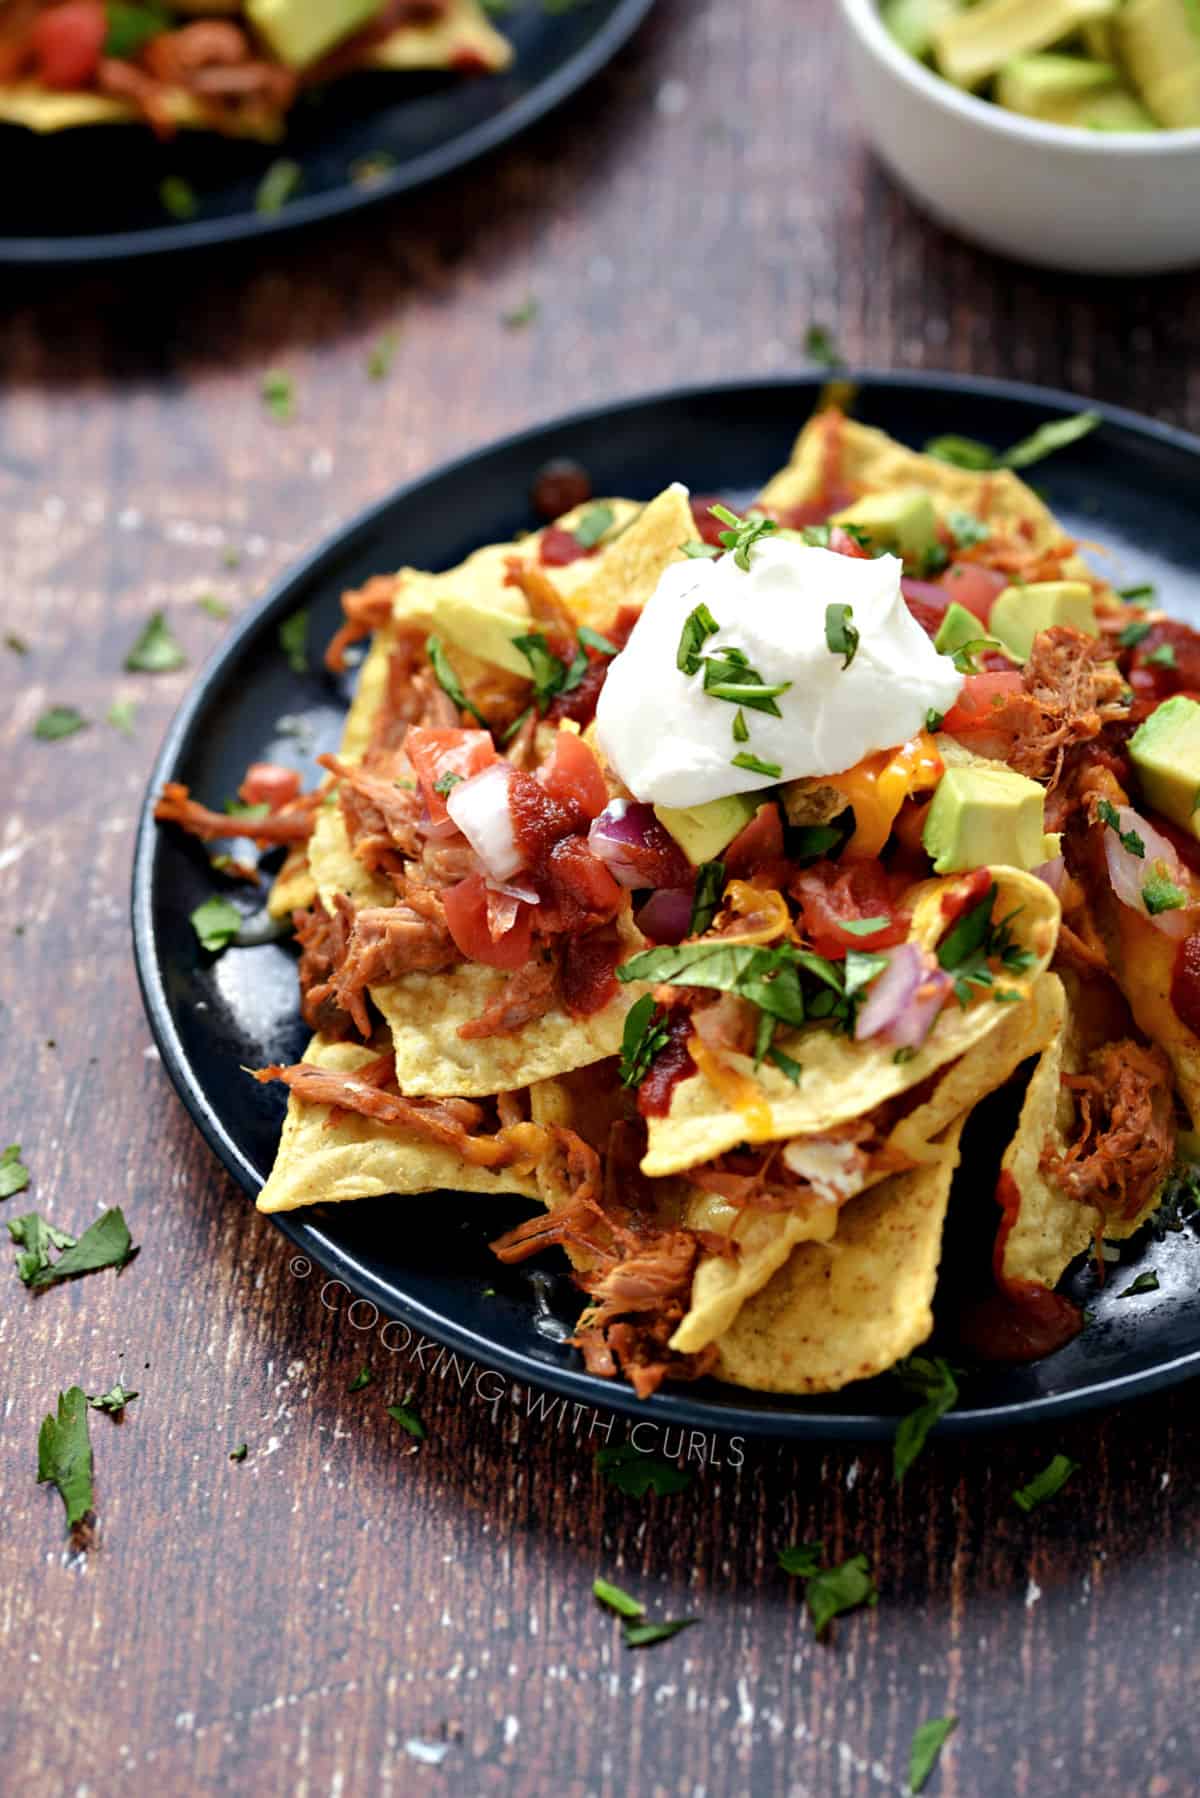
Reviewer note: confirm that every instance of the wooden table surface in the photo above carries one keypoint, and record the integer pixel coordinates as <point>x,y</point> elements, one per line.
<point>338,1613</point>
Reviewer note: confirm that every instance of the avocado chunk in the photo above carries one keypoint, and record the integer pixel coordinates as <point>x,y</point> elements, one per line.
<point>958,628</point>
<point>1049,86</point>
<point>912,22</point>
<point>702,831</point>
<point>1019,613</point>
<point>483,631</point>
<point>979,817</point>
<point>903,521</point>
<point>1165,750</point>
<point>972,46</point>
<point>301,31</point>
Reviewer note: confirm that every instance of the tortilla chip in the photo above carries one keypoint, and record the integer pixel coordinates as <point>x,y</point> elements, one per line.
<point>294,889</point>
<point>849,1310</point>
<point>630,568</point>
<point>1142,961</point>
<point>841,1079</point>
<point>460,38</point>
<point>872,462</point>
<point>766,1239</point>
<point>424,1012</point>
<point>1050,1228</point>
<point>357,1158</point>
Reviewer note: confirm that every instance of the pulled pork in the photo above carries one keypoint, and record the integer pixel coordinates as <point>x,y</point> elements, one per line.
<point>366,609</point>
<point>1126,1143</point>
<point>1073,689</point>
<point>351,950</point>
<point>292,823</point>
<point>528,993</point>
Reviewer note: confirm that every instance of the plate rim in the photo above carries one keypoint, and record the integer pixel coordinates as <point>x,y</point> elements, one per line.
<point>672,1405</point>
<point>181,237</point>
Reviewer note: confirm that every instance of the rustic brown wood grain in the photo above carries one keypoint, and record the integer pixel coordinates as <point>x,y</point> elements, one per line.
<point>332,1614</point>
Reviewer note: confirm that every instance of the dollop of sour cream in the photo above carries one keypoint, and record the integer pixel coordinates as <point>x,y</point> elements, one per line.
<point>672,742</point>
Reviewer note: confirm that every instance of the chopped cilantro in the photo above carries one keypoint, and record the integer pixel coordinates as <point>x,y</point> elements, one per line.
<point>596,640</point>
<point>933,1380</point>
<point>113,1401</point>
<point>802,1560</point>
<point>973,941</point>
<point>863,926</point>
<point>698,627</point>
<point>790,984</point>
<point>231,557</point>
<point>1147,1282</point>
<point>645,1034</point>
<point>968,452</point>
<point>216,608</point>
<point>934,720</point>
<point>407,1418</point>
<point>361,1379</point>
<point>1138,595</point>
<point>239,1453</point>
<point>381,357</point>
<point>595,523</point>
<point>1134,633</point>
<point>216,923</point>
<point>1107,813</point>
<point>616,1599</point>
<point>238,808</point>
<point>520,316</point>
<point>841,636</point>
<point>834,1590</point>
<point>17,644</point>
<point>635,1472</point>
<point>106,1243</point>
<point>810,842</point>
<point>729,676</point>
<point>293,640</point>
<point>791,1069</point>
<point>156,651</point>
<point>65,1454</point>
<point>743,533</point>
<point>59,721</point>
<point>281,182</point>
<point>1045,1484</point>
<point>278,394</point>
<point>131,27</point>
<point>706,896</point>
<point>645,1635</point>
<point>122,715</point>
<point>14,1175</point>
<point>448,681</point>
<point>1162,657</point>
<point>447,783</point>
<point>740,729</point>
<point>967,530</point>
<point>178,197</point>
<point>928,1741</point>
<point>550,676</point>
<point>1159,893</point>
<point>963,654</point>
<point>819,347</point>
<point>961,452</point>
<point>754,764</point>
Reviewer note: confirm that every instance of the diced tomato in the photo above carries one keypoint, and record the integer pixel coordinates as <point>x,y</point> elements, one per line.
<point>982,702</point>
<point>539,819</point>
<point>559,547</point>
<point>67,43</point>
<point>269,783</point>
<point>708,528</point>
<point>582,892</point>
<point>435,754</point>
<point>842,543</point>
<point>757,850</point>
<point>977,588</point>
<point>572,775</point>
<point>1152,679</point>
<point>830,896</point>
<point>467,920</point>
<point>1185,982</point>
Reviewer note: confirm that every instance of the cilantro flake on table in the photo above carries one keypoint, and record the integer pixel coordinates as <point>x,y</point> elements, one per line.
<point>156,651</point>
<point>829,1592</point>
<point>278,394</point>
<point>214,606</point>
<point>802,1559</point>
<point>819,347</point>
<point>645,1635</point>
<point>616,1599</point>
<point>1046,1484</point>
<point>122,715</point>
<point>518,317</point>
<point>105,1243</point>
<point>381,356</point>
<point>59,721</point>
<point>17,644</point>
<point>240,1452</point>
<point>1147,1282</point>
<point>934,1381</point>
<point>14,1175</point>
<point>928,1741</point>
<point>635,1471</point>
<point>65,1454</point>
<point>114,1400</point>
<point>406,1417</point>
<point>361,1379</point>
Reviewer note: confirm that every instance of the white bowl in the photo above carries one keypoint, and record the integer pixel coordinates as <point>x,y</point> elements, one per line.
<point>1099,203</point>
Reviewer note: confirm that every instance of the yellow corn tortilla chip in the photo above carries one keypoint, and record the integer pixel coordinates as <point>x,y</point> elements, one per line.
<point>849,1310</point>
<point>766,1239</point>
<point>336,868</point>
<point>424,1011</point>
<point>295,889</point>
<point>630,568</point>
<point>842,1079</point>
<point>1050,1227</point>
<point>359,1159</point>
<point>1142,961</point>
<point>462,32</point>
<point>873,462</point>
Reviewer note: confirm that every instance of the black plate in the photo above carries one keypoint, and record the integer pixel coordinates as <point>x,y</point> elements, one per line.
<point>1132,483</point>
<point>92,195</point>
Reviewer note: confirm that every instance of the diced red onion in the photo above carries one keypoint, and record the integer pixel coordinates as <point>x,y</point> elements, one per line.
<point>666,916</point>
<point>904,1000</point>
<point>927,593</point>
<point>479,807</point>
<point>1129,873</point>
<point>441,831</point>
<point>1054,873</point>
<point>615,837</point>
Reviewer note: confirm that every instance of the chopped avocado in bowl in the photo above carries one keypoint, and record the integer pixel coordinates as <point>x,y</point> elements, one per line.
<point>1097,65</point>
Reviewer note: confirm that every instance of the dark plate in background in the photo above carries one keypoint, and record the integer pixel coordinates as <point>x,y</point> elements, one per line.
<point>92,195</point>
<point>1132,484</point>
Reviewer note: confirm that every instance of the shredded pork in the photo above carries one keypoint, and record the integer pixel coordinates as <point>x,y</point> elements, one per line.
<point>1126,1142</point>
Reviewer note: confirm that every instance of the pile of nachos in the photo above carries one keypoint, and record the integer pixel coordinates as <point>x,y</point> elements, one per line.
<point>729,1059</point>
